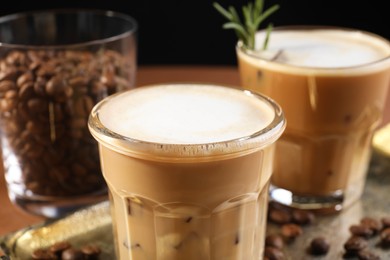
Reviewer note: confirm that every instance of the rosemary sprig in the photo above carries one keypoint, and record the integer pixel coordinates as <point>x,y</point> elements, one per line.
<point>252,16</point>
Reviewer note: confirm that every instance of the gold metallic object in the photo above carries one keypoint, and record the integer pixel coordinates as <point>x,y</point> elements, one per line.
<point>88,226</point>
<point>381,141</point>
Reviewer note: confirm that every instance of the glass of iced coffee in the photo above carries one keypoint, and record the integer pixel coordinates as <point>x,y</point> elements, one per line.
<point>332,84</point>
<point>188,168</point>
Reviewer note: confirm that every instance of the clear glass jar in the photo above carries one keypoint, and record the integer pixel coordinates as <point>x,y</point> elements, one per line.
<point>54,67</point>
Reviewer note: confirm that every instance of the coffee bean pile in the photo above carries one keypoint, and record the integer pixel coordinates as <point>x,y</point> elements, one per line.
<point>291,222</point>
<point>357,244</point>
<point>63,250</point>
<point>45,100</point>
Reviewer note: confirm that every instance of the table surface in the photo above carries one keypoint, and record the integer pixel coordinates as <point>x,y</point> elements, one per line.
<point>12,218</point>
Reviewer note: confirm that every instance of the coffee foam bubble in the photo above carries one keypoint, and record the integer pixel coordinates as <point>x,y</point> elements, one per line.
<point>328,48</point>
<point>185,114</point>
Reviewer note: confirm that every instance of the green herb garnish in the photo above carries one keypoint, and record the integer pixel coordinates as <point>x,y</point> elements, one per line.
<point>253,16</point>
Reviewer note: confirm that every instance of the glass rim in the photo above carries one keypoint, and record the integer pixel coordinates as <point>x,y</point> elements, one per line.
<point>168,151</point>
<point>104,13</point>
<point>240,48</point>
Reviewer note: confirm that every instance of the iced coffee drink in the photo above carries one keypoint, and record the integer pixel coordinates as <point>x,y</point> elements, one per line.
<point>332,84</point>
<point>188,168</point>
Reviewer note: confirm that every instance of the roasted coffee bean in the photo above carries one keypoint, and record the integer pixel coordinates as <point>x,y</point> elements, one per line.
<point>26,91</point>
<point>274,240</point>
<point>373,224</point>
<point>385,238</point>
<point>37,105</point>
<point>361,230</point>
<point>354,244</point>
<point>319,246</point>
<point>273,253</point>
<point>78,81</point>
<point>9,73</point>
<point>16,58</point>
<point>72,254</point>
<point>59,247</point>
<point>11,94</point>
<point>40,86</point>
<point>291,231</point>
<point>279,216</point>
<point>91,252</point>
<point>46,70</point>
<point>385,222</point>
<point>367,255</point>
<point>24,78</point>
<point>64,250</point>
<point>6,85</point>
<point>7,105</point>
<point>43,254</point>
<point>302,217</point>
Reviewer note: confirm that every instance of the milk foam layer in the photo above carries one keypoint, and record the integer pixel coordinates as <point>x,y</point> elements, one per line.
<point>185,114</point>
<point>330,48</point>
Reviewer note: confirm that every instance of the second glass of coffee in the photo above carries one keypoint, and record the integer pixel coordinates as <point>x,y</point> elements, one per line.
<point>332,85</point>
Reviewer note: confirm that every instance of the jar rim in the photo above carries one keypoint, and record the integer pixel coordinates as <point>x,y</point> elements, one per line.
<point>131,26</point>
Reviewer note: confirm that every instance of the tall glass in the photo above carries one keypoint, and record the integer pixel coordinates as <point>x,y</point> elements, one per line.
<point>332,85</point>
<point>55,65</point>
<point>188,169</point>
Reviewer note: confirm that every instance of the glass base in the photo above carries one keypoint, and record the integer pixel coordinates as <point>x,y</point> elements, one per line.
<point>56,207</point>
<point>331,203</point>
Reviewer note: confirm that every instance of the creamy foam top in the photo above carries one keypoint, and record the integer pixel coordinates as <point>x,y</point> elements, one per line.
<point>185,114</point>
<point>328,48</point>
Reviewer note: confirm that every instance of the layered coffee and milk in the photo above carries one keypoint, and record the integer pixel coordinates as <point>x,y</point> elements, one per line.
<point>188,168</point>
<point>331,84</point>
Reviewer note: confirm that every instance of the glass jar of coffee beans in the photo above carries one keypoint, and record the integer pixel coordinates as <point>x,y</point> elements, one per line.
<point>54,67</point>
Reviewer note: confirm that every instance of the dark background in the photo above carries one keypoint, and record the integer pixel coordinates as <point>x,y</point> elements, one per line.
<point>190,31</point>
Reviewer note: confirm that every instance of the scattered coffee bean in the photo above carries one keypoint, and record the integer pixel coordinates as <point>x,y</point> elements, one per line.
<point>91,252</point>
<point>279,216</point>
<point>43,254</point>
<point>356,247</point>
<point>59,247</point>
<point>72,254</point>
<point>319,246</point>
<point>273,253</point>
<point>385,222</point>
<point>361,230</point>
<point>375,225</point>
<point>302,217</point>
<point>274,240</point>
<point>354,244</point>
<point>291,231</point>
<point>63,250</point>
<point>385,238</point>
<point>367,255</point>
